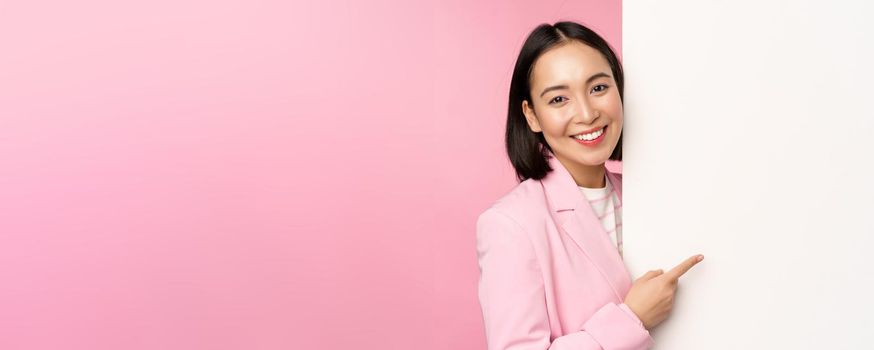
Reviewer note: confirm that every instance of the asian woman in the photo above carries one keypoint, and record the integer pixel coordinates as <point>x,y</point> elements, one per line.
<point>550,254</point>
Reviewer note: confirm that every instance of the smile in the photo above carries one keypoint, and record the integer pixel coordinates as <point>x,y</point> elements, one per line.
<point>592,138</point>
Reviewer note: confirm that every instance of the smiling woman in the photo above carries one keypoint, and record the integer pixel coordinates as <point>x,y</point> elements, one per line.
<point>567,81</point>
<point>578,103</point>
<point>552,274</point>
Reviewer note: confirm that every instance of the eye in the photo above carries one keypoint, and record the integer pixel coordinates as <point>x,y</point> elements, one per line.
<point>554,99</point>
<point>599,88</point>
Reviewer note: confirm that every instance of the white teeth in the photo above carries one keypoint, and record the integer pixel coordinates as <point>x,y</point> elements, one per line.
<point>590,136</point>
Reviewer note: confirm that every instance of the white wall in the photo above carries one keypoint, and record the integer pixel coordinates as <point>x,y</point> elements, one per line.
<point>749,128</point>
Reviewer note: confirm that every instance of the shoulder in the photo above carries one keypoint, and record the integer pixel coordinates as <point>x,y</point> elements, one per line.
<point>506,230</point>
<point>616,178</point>
<point>615,174</point>
<point>521,208</point>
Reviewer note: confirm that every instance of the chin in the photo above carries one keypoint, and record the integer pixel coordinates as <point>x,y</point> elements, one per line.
<point>594,161</point>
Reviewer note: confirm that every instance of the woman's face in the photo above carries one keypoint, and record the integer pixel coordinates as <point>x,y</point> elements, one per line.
<point>576,104</point>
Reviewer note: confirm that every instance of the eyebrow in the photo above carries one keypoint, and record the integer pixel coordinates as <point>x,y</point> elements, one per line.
<point>559,87</point>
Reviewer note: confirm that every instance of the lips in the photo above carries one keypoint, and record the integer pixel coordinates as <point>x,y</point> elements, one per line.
<point>589,131</point>
<point>591,143</point>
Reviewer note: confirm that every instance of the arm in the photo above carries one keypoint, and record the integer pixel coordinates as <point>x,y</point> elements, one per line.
<point>512,298</point>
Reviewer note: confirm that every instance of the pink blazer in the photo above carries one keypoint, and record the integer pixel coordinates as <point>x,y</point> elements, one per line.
<point>550,277</point>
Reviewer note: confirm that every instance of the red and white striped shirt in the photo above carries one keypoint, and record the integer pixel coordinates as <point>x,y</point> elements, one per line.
<point>607,206</point>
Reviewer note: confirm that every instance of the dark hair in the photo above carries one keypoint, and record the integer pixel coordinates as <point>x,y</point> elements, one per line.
<point>528,151</point>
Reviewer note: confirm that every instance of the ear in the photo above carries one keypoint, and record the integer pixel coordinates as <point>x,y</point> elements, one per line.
<point>533,124</point>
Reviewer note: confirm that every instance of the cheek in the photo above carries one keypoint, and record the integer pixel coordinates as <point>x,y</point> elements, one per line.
<point>613,107</point>
<point>554,124</point>
<point>618,116</point>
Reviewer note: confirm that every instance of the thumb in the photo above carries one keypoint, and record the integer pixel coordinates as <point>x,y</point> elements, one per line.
<point>650,275</point>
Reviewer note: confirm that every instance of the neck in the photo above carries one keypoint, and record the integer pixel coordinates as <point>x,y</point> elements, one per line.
<point>591,176</point>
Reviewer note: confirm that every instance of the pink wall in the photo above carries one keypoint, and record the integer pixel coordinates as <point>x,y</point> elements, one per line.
<point>253,175</point>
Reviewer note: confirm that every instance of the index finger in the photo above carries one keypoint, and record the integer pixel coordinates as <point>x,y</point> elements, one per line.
<point>684,266</point>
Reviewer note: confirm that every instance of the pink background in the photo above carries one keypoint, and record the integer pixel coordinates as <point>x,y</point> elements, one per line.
<point>253,174</point>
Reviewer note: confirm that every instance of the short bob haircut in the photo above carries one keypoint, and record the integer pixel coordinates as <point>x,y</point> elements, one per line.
<point>528,150</point>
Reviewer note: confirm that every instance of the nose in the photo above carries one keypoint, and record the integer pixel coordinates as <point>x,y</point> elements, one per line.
<point>588,113</point>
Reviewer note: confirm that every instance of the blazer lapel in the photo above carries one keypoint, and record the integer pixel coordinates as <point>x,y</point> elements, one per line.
<point>578,220</point>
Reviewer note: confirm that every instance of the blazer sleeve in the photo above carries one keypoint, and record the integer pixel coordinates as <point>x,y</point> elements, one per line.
<point>513,302</point>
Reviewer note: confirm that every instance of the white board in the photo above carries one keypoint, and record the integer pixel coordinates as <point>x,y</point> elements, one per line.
<point>749,136</point>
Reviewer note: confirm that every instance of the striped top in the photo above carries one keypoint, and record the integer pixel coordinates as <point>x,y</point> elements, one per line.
<point>607,206</point>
